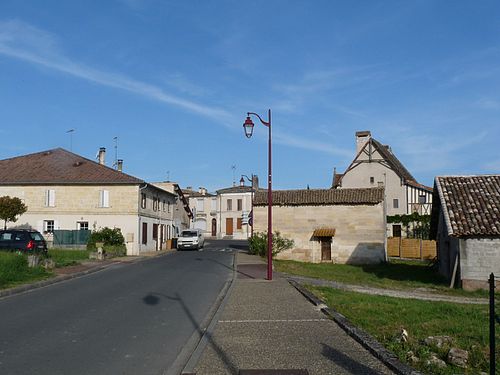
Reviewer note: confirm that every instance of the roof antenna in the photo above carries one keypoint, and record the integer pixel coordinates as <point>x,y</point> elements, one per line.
<point>115,164</point>
<point>71,131</point>
<point>233,167</point>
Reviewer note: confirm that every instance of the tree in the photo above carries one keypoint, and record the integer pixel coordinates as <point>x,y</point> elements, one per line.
<point>10,208</point>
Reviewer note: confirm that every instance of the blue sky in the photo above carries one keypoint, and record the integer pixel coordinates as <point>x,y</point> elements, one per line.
<point>173,80</point>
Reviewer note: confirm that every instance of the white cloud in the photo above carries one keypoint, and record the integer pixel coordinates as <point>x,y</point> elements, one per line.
<point>25,42</point>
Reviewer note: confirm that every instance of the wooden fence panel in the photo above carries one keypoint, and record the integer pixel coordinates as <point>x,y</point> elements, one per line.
<point>393,246</point>
<point>411,248</point>
<point>429,249</point>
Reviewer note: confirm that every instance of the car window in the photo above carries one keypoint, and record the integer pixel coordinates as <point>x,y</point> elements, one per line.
<point>20,237</point>
<point>188,233</point>
<point>36,236</point>
<point>6,236</point>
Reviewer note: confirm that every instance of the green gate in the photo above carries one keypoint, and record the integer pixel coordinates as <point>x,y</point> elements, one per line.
<point>71,238</point>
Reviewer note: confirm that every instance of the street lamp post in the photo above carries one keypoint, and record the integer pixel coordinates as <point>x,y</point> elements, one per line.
<point>251,206</point>
<point>248,126</point>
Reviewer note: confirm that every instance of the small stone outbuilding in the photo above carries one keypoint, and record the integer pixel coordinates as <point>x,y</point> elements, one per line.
<point>327,225</point>
<point>466,225</point>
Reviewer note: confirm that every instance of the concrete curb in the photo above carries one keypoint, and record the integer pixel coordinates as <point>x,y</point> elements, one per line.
<point>372,345</point>
<point>58,279</point>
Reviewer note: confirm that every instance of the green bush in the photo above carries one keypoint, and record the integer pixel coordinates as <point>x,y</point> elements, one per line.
<point>14,270</point>
<point>114,242</point>
<point>258,244</point>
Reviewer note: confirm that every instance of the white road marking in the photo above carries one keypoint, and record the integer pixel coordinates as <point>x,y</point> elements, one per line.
<point>274,321</point>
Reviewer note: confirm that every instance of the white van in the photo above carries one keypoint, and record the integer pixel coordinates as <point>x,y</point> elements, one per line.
<point>190,239</point>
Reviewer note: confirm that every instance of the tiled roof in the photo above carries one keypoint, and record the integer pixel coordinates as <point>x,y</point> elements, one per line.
<point>321,197</point>
<point>420,186</point>
<point>324,232</point>
<point>235,189</point>
<point>196,194</point>
<point>393,161</point>
<point>59,166</point>
<point>471,204</point>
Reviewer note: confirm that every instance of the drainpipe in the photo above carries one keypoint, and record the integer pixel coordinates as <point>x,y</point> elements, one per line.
<point>139,240</point>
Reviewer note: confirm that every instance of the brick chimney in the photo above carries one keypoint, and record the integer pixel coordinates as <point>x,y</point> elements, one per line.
<point>362,137</point>
<point>101,155</point>
<point>255,182</point>
<point>119,165</point>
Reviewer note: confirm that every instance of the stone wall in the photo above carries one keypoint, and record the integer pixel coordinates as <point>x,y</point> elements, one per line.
<point>359,238</point>
<point>478,258</point>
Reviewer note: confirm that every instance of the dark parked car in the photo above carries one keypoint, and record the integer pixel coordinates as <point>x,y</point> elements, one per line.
<point>27,241</point>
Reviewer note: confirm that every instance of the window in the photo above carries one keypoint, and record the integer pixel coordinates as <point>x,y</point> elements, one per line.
<point>48,226</point>
<point>104,198</point>
<point>50,198</point>
<point>395,203</point>
<point>82,225</point>
<point>144,233</point>
<point>155,204</point>
<point>200,205</point>
<point>164,206</point>
<point>396,230</point>
<point>380,184</point>
<point>240,204</point>
<point>229,204</point>
<point>168,206</point>
<point>143,200</point>
<point>155,231</point>
<point>422,199</point>
<point>372,180</point>
<point>238,223</point>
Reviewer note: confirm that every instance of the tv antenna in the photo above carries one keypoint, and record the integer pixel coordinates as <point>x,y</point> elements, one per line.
<point>233,167</point>
<point>71,131</point>
<point>115,164</point>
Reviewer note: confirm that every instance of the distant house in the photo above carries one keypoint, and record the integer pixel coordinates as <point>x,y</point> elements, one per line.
<point>466,225</point>
<point>375,165</point>
<point>64,191</point>
<point>234,206</point>
<point>182,214</point>
<point>328,225</point>
<point>204,208</point>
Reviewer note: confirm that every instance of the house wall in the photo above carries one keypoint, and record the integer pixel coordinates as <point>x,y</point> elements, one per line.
<point>359,177</point>
<point>359,238</point>
<point>203,217</point>
<point>81,203</point>
<point>447,250</point>
<point>223,214</point>
<point>478,258</point>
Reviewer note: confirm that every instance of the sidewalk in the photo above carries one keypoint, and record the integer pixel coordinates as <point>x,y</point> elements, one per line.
<point>269,325</point>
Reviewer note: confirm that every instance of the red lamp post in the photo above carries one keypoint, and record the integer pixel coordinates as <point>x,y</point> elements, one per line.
<point>248,126</point>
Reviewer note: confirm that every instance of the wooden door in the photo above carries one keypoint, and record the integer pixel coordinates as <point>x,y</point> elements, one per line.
<point>214,227</point>
<point>326,249</point>
<point>229,226</point>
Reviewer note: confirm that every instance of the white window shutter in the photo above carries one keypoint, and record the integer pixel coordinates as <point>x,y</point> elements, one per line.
<point>56,225</point>
<point>50,198</point>
<point>105,198</point>
<point>47,193</point>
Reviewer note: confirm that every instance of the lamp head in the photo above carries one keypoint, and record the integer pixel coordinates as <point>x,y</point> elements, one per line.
<point>248,126</point>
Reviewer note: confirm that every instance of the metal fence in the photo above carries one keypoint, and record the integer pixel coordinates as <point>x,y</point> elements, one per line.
<point>71,238</point>
<point>494,320</point>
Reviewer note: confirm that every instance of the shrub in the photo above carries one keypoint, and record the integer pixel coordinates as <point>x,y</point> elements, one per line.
<point>114,242</point>
<point>258,244</point>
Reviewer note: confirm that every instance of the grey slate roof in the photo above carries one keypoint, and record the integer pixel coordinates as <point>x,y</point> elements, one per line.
<point>321,197</point>
<point>471,205</point>
<point>59,166</point>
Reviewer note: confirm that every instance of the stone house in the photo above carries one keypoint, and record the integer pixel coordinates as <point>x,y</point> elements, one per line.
<point>375,165</point>
<point>233,208</point>
<point>466,225</point>
<point>204,208</point>
<point>66,191</point>
<point>327,225</point>
<point>182,215</point>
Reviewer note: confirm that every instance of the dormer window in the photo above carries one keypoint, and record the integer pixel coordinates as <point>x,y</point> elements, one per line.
<point>372,180</point>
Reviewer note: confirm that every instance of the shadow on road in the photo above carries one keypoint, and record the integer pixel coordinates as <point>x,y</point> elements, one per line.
<point>154,299</point>
<point>346,362</point>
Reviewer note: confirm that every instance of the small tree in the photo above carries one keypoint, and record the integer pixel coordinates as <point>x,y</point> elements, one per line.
<point>258,244</point>
<point>10,208</point>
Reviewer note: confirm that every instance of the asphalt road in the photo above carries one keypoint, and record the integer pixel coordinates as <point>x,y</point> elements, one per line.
<point>128,319</point>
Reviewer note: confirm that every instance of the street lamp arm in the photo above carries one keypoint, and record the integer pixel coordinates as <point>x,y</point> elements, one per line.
<point>265,123</point>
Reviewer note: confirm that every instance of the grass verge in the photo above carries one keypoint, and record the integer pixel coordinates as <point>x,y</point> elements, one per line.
<point>396,274</point>
<point>383,318</point>
<point>65,257</point>
<point>14,270</point>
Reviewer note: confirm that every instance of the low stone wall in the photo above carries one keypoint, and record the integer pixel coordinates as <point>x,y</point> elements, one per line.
<point>478,258</point>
